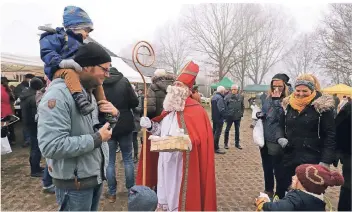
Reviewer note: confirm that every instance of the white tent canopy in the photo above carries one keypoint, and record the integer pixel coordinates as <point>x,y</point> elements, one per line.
<point>127,71</point>
<point>20,64</point>
<point>12,64</point>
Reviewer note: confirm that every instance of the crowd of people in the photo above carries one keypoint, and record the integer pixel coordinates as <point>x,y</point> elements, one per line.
<point>301,126</point>
<point>84,110</point>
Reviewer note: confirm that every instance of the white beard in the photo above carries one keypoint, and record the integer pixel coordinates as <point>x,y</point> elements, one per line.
<point>175,98</point>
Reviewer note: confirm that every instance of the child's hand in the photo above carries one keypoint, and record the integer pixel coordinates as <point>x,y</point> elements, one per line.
<point>259,202</point>
<point>71,64</point>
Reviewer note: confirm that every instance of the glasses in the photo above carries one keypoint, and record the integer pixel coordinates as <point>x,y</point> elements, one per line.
<point>277,86</point>
<point>106,70</point>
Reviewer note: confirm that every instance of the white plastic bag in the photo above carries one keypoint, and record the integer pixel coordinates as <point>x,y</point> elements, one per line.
<point>258,134</point>
<point>255,110</point>
<point>5,146</point>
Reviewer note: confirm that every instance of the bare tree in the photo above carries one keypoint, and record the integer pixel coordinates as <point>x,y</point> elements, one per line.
<point>215,31</point>
<point>302,57</point>
<point>335,41</point>
<point>172,47</point>
<point>269,41</point>
<point>242,54</point>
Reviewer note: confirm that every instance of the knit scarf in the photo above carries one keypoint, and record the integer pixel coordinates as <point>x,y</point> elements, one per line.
<point>300,104</point>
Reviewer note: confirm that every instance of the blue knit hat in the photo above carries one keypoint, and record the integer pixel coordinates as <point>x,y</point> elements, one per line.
<point>76,18</point>
<point>142,198</point>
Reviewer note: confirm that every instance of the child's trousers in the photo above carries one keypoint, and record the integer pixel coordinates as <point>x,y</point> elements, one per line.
<point>74,85</point>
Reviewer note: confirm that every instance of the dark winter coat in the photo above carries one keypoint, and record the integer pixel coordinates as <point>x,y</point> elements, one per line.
<point>272,112</point>
<point>19,88</point>
<point>120,93</point>
<point>311,133</point>
<point>156,94</point>
<point>218,108</point>
<point>137,113</point>
<point>54,47</point>
<point>296,200</point>
<point>28,106</point>
<point>234,106</point>
<point>343,129</point>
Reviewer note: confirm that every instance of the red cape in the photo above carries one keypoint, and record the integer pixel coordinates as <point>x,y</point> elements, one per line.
<point>199,183</point>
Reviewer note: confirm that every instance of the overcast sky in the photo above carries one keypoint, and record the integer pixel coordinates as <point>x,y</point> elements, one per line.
<point>117,24</point>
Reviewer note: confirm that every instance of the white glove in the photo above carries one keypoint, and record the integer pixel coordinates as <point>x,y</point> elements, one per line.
<point>145,122</point>
<point>283,142</point>
<point>70,63</point>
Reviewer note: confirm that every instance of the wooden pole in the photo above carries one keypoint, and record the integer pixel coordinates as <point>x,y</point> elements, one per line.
<point>143,44</point>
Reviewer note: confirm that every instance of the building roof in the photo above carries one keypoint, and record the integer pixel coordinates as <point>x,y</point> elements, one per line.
<point>146,71</point>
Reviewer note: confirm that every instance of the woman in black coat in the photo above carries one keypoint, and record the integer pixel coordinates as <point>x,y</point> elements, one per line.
<point>309,127</point>
<point>343,144</point>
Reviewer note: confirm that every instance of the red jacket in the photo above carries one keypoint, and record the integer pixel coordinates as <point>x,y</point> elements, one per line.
<point>6,108</point>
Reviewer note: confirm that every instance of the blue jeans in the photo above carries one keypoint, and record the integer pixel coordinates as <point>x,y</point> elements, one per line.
<point>237,124</point>
<point>47,180</point>
<point>79,200</point>
<point>125,143</point>
<point>26,135</point>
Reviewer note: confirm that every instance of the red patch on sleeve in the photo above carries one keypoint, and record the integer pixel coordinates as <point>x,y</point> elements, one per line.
<point>51,103</point>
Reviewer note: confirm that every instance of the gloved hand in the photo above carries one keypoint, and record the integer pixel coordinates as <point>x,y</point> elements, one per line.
<point>70,63</point>
<point>260,115</point>
<point>145,122</point>
<point>325,165</point>
<point>283,142</point>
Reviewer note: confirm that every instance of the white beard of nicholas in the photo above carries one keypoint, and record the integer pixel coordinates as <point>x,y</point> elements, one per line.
<point>175,98</point>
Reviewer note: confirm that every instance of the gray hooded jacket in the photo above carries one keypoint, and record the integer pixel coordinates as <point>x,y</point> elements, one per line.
<point>68,140</point>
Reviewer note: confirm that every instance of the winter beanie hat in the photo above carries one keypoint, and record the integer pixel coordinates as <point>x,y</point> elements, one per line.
<point>91,54</point>
<point>316,178</point>
<point>36,83</point>
<point>76,18</point>
<point>282,77</point>
<point>142,198</point>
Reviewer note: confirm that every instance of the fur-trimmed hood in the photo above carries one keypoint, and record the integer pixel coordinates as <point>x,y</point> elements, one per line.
<point>161,82</point>
<point>321,103</point>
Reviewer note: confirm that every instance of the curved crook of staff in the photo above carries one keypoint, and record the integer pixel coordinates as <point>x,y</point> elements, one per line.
<point>139,45</point>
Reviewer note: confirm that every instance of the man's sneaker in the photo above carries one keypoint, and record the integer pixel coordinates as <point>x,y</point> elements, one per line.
<point>37,174</point>
<point>226,146</point>
<point>111,198</point>
<point>238,146</point>
<point>220,151</point>
<point>84,106</point>
<point>118,149</point>
<point>49,189</point>
<point>26,144</point>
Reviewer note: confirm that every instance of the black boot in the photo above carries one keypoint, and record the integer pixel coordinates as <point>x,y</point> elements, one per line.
<point>226,140</point>
<point>84,106</point>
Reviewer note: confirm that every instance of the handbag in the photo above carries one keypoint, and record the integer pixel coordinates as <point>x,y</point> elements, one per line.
<point>258,134</point>
<point>5,146</point>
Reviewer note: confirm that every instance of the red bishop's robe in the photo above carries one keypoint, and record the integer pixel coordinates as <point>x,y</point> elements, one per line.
<point>198,188</point>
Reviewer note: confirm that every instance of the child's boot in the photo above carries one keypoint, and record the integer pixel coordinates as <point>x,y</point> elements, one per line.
<point>111,119</point>
<point>84,106</point>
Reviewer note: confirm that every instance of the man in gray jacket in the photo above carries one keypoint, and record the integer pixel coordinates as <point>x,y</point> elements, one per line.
<point>77,153</point>
<point>234,108</point>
